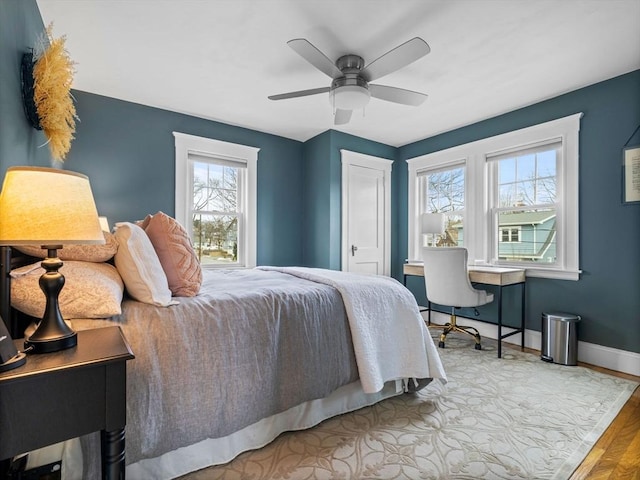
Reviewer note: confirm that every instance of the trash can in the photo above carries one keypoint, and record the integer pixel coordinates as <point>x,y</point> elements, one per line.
<point>560,338</point>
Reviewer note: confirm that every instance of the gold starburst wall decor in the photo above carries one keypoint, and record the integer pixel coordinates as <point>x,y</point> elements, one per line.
<point>47,76</point>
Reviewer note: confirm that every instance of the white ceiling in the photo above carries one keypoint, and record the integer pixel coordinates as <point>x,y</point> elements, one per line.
<point>220,59</point>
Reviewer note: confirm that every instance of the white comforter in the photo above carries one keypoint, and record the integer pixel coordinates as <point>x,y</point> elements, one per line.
<point>390,339</point>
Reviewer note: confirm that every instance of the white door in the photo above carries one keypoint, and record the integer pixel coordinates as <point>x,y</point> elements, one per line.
<point>366,204</point>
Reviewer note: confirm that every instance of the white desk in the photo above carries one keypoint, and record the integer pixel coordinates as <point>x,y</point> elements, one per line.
<point>498,276</point>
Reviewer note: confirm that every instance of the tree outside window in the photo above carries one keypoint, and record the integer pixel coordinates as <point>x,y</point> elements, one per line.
<point>215,212</point>
<point>444,193</point>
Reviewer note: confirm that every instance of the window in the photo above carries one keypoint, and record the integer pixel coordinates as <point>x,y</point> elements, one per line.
<point>524,204</point>
<point>442,191</point>
<point>508,235</point>
<point>216,199</point>
<point>516,198</point>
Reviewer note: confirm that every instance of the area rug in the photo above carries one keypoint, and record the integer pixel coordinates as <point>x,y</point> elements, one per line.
<point>510,418</point>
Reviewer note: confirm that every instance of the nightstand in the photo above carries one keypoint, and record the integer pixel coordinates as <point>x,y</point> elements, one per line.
<point>66,394</point>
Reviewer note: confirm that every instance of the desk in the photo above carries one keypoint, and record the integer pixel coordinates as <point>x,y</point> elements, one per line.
<point>500,277</point>
<point>61,395</point>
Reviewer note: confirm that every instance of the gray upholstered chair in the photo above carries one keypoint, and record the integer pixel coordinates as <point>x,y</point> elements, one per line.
<point>447,283</point>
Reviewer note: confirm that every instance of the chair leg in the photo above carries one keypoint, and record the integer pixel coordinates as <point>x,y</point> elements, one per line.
<point>454,327</point>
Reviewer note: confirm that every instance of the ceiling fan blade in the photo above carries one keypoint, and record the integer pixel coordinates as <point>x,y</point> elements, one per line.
<point>299,93</point>
<point>395,59</point>
<point>397,95</point>
<point>315,57</point>
<point>342,117</point>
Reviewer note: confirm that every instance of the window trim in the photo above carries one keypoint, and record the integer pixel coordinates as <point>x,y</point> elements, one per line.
<point>232,152</point>
<point>478,219</point>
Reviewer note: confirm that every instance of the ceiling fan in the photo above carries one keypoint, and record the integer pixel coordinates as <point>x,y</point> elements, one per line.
<point>350,88</point>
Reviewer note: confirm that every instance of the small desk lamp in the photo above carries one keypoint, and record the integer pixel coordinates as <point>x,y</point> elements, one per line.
<point>432,224</point>
<point>48,207</point>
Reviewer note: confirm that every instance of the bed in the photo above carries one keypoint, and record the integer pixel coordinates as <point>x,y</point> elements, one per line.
<point>255,353</point>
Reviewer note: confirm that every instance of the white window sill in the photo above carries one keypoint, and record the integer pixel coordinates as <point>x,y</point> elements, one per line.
<point>553,274</point>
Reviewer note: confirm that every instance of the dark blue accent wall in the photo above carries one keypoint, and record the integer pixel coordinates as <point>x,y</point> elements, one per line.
<point>20,144</point>
<point>323,190</point>
<point>127,150</point>
<point>607,296</point>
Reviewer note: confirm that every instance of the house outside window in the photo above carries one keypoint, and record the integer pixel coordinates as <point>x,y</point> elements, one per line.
<point>216,199</point>
<point>520,195</point>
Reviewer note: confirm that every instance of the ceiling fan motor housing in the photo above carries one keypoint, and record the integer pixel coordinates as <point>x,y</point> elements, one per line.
<point>351,91</point>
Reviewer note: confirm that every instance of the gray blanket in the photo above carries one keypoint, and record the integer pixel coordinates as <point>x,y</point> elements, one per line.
<point>253,343</point>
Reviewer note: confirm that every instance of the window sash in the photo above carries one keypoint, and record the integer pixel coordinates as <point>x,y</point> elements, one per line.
<point>541,244</point>
<point>451,237</point>
<point>206,251</point>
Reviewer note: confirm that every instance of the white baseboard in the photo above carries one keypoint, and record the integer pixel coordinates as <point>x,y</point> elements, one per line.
<point>591,353</point>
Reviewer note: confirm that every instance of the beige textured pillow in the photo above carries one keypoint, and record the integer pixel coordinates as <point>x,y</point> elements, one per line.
<point>177,256</point>
<point>91,290</point>
<point>81,253</point>
<point>139,267</point>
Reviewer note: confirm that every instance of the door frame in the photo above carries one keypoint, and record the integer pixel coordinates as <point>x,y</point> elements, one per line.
<point>349,158</point>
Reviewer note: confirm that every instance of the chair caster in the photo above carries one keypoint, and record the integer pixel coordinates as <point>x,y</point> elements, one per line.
<point>478,346</point>
<point>441,344</point>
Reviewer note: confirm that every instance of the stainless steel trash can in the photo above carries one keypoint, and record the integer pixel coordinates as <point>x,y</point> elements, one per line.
<point>560,338</point>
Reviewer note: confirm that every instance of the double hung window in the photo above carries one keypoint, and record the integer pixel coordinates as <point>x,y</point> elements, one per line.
<point>216,199</point>
<point>442,191</point>
<point>524,204</point>
<point>511,200</point>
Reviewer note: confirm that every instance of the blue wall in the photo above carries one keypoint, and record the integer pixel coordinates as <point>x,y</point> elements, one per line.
<point>127,150</point>
<point>607,296</point>
<point>323,190</point>
<point>20,28</point>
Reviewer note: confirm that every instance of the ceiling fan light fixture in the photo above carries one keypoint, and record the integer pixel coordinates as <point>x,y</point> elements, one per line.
<point>350,97</point>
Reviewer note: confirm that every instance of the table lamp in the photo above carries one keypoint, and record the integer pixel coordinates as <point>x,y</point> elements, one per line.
<point>48,207</point>
<point>432,224</point>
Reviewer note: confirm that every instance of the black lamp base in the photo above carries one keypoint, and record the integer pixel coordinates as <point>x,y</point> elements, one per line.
<point>48,345</point>
<point>52,333</point>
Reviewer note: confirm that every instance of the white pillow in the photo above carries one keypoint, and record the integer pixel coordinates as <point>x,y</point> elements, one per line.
<point>139,266</point>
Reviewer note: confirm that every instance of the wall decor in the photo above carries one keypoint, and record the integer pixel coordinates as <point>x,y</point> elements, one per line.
<point>47,75</point>
<point>631,171</point>
<point>631,175</point>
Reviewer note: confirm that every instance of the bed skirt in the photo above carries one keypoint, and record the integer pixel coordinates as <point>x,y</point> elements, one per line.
<point>222,450</point>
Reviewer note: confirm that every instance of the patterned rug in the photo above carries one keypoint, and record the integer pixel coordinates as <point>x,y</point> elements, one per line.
<point>510,418</point>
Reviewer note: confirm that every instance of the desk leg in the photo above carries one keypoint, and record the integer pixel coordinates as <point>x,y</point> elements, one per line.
<point>112,445</point>
<point>500,321</point>
<point>522,313</point>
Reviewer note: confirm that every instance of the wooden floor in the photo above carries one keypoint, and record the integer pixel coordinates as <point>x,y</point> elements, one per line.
<point>616,455</point>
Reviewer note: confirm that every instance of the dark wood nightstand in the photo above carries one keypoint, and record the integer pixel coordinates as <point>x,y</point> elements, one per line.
<point>66,394</point>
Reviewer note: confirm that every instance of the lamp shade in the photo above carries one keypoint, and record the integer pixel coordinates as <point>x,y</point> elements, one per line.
<point>432,223</point>
<point>47,206</point>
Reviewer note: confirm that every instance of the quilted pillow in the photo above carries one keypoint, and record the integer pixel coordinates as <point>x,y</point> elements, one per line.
<point>177,256</point>
<point>82,253</point>
<point>91,290</point>
<point>139,267</point>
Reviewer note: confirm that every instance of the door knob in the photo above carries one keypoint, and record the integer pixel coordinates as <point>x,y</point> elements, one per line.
<point>353,250</point>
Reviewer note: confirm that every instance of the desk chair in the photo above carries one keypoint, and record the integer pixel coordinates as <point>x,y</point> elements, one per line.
<point>447,282</point>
